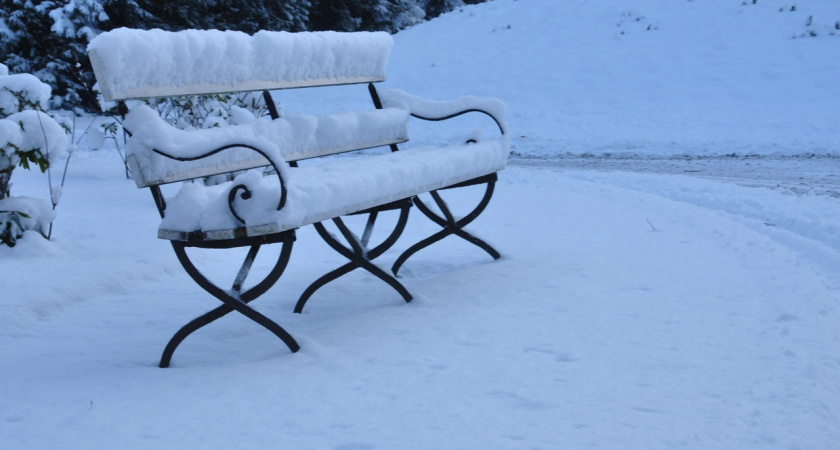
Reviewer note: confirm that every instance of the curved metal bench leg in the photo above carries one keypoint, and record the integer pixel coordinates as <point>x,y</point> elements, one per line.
<point>321,282</point>
<point>478,243</point>
<point>236,302</point>
<point>450,225</point>
<point>358,253</point>
<point>417,247</point>
<point>386,277</point>
<point>188,329</point>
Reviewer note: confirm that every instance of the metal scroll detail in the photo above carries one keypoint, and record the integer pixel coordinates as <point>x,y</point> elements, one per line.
<point>246,194</point>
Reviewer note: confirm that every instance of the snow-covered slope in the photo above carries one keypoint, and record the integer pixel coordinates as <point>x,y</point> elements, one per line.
<point>647,77</point>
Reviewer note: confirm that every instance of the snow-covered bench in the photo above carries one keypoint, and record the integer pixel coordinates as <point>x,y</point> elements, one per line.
<point>256,209</point>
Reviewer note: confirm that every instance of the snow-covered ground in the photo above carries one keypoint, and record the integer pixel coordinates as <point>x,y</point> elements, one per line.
<point>670,225</point>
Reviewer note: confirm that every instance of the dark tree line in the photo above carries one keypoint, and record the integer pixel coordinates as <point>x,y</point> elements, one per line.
<point>49,38</point>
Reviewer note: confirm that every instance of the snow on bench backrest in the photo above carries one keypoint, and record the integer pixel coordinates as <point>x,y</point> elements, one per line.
<point>291,138</point>
<point>131,63</point>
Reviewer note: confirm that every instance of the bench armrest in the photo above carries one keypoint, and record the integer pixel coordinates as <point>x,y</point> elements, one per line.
<point>156,147</point>
<point>435,110</point>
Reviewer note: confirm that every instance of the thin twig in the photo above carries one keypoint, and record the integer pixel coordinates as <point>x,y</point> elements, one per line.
<point>49,169</point>
<point>84,133</point>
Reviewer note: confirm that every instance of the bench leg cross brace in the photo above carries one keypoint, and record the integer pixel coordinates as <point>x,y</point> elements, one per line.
<point>233,300</point>
<point>450,225</point>
<point>358,253</point>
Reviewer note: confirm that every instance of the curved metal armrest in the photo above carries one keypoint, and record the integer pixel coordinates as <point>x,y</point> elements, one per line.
<point>150,133</point>
<point>435,110</point>
<point>246,194</point>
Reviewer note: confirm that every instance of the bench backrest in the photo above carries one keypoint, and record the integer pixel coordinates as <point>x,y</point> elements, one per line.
<point>131,63</point>
<point>139,64</point>
<point>293,138</point>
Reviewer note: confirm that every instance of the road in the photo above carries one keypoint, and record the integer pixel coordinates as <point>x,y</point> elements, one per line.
<point>816,175</point>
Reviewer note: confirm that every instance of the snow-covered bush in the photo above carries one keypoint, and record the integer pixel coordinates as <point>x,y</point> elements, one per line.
<point>28,137</point>
<point>208,111</point>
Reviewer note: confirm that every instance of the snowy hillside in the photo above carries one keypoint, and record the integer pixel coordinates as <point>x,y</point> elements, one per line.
<point>665,297</point>
<point>648,77</point>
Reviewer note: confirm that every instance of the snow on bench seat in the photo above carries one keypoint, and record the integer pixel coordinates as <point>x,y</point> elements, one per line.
<point>321,192</point>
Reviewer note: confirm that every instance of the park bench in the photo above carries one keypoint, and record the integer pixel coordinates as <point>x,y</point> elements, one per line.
<point>266,206</point>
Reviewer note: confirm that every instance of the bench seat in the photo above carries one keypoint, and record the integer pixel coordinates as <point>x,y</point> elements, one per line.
<point>316,193</point>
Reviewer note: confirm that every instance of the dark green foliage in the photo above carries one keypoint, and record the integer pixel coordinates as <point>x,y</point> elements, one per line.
<point>11,228</point>
<point>31,47</point>
<point>365,15</point>
<point>332,15</point>
<point>49,38</point>
<point>435,8</point>
<point>241,15</point>
<point>58,59</point>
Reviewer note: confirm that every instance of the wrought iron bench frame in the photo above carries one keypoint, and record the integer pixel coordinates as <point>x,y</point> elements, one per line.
<point>356,249</point>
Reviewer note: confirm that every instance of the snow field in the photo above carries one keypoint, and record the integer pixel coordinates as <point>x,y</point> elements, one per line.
<point>616,317</point>
<point>706,79</point>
